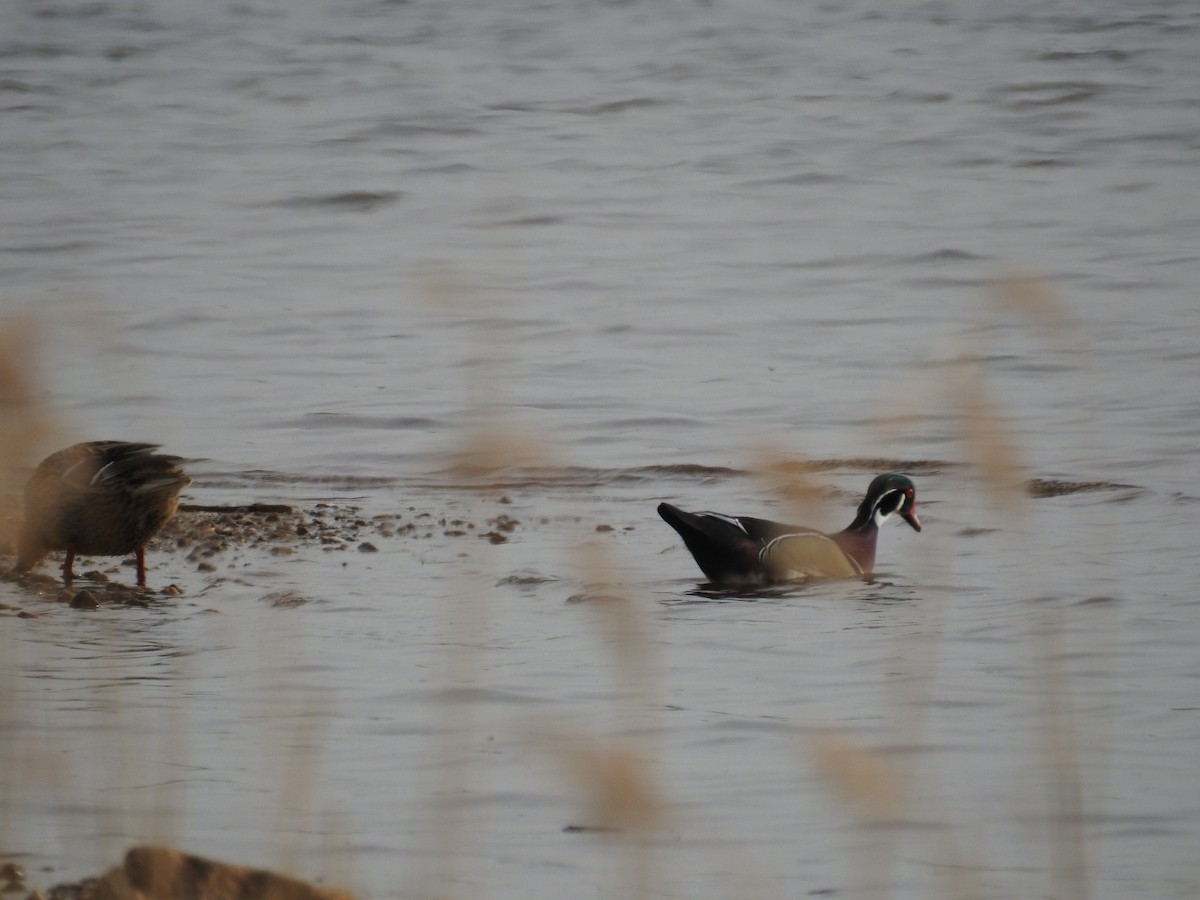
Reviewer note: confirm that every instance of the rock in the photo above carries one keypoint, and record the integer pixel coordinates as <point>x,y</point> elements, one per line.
<point>159,873</point>
<point>85,599</point>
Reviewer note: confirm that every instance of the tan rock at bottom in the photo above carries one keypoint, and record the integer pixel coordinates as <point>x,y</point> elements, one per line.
<point>159,873</point>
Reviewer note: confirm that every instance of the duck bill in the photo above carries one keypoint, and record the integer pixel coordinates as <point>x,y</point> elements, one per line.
<point>911,518</point>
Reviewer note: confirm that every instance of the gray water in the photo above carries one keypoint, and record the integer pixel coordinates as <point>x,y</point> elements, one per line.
<point>317,247</point>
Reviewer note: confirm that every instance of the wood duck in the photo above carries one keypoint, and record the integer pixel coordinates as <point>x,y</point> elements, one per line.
<point>738,550</point>
<point>100,498</point>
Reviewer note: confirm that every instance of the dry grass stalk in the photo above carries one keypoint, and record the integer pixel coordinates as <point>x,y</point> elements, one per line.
<point>292,722</point>
<point>466,627</point>
<point>618,619</point>
<point>989,444</point>
<point>956,387</point>
<point>1061,757</point>
<point>871,787</point>
<point>491,444</point>
<point>26,428</point>
<point>961,876</point>
<point>445,287</point>
<point>495,447</point>
<point>788,477</point>
<point>864,780</point>
<point>617,780</point>
<point>1033,299</point>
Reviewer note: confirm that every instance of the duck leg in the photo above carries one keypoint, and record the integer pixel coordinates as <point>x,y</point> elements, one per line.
<point>141,566</point>
<point>68,574</point>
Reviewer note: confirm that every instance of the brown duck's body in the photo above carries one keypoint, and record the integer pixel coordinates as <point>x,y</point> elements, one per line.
<point>100,498</point>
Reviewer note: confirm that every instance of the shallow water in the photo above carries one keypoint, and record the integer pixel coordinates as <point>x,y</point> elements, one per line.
<point>324,252</point>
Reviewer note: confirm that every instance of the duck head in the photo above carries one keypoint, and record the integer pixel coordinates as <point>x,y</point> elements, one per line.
<point>888,495</point>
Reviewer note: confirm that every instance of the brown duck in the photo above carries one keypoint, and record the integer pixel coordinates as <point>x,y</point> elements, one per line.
<point>100,498</point>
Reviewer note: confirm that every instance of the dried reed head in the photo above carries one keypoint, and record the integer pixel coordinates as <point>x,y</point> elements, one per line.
<point>444,286</point>
<point>26,427</point>
<point>989,443</point>
<point>495,446</point>
<point>955,388</point>
<point>1033,299</point>
<point>616,615</point>
<point>788,477</point>
<point>864,780</point>
<point>617,781</point>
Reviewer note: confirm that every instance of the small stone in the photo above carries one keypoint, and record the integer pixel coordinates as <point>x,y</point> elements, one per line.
<point>367,547</point>
<point>604,528</point>
<point>85,599</point>
<point>206,567</point>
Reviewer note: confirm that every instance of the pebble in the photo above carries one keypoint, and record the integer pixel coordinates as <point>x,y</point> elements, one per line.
<point>85,599</point>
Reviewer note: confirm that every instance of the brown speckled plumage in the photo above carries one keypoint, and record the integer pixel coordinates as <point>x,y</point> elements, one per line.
<point>100,498</point>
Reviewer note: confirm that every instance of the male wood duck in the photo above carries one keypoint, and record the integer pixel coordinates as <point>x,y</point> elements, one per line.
<point>739,550</point>
<point>100,498</point>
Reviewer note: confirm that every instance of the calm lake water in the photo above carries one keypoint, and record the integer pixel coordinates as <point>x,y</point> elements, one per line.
<point>321,248</point>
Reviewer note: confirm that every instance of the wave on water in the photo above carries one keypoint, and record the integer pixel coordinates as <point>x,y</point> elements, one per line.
<point>475,478</point>
<point>457,478</point>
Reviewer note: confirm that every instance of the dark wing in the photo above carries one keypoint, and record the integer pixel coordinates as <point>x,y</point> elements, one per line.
<point>82,466</point>
<point>763,531</point>
<point>135,468</point>
<point>722,546</point>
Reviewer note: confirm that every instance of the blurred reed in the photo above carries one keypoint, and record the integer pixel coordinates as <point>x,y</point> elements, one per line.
<point>616,776</point>
<point>26,426</point>
<point>789,477</point>
<point>956,387</point>
<point>111,733</point>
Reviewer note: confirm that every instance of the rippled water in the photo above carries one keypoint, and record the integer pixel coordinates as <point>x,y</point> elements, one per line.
<point>320,248</point>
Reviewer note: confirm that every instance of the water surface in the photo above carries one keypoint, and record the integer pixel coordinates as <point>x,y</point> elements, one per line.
<point>320,251</point>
